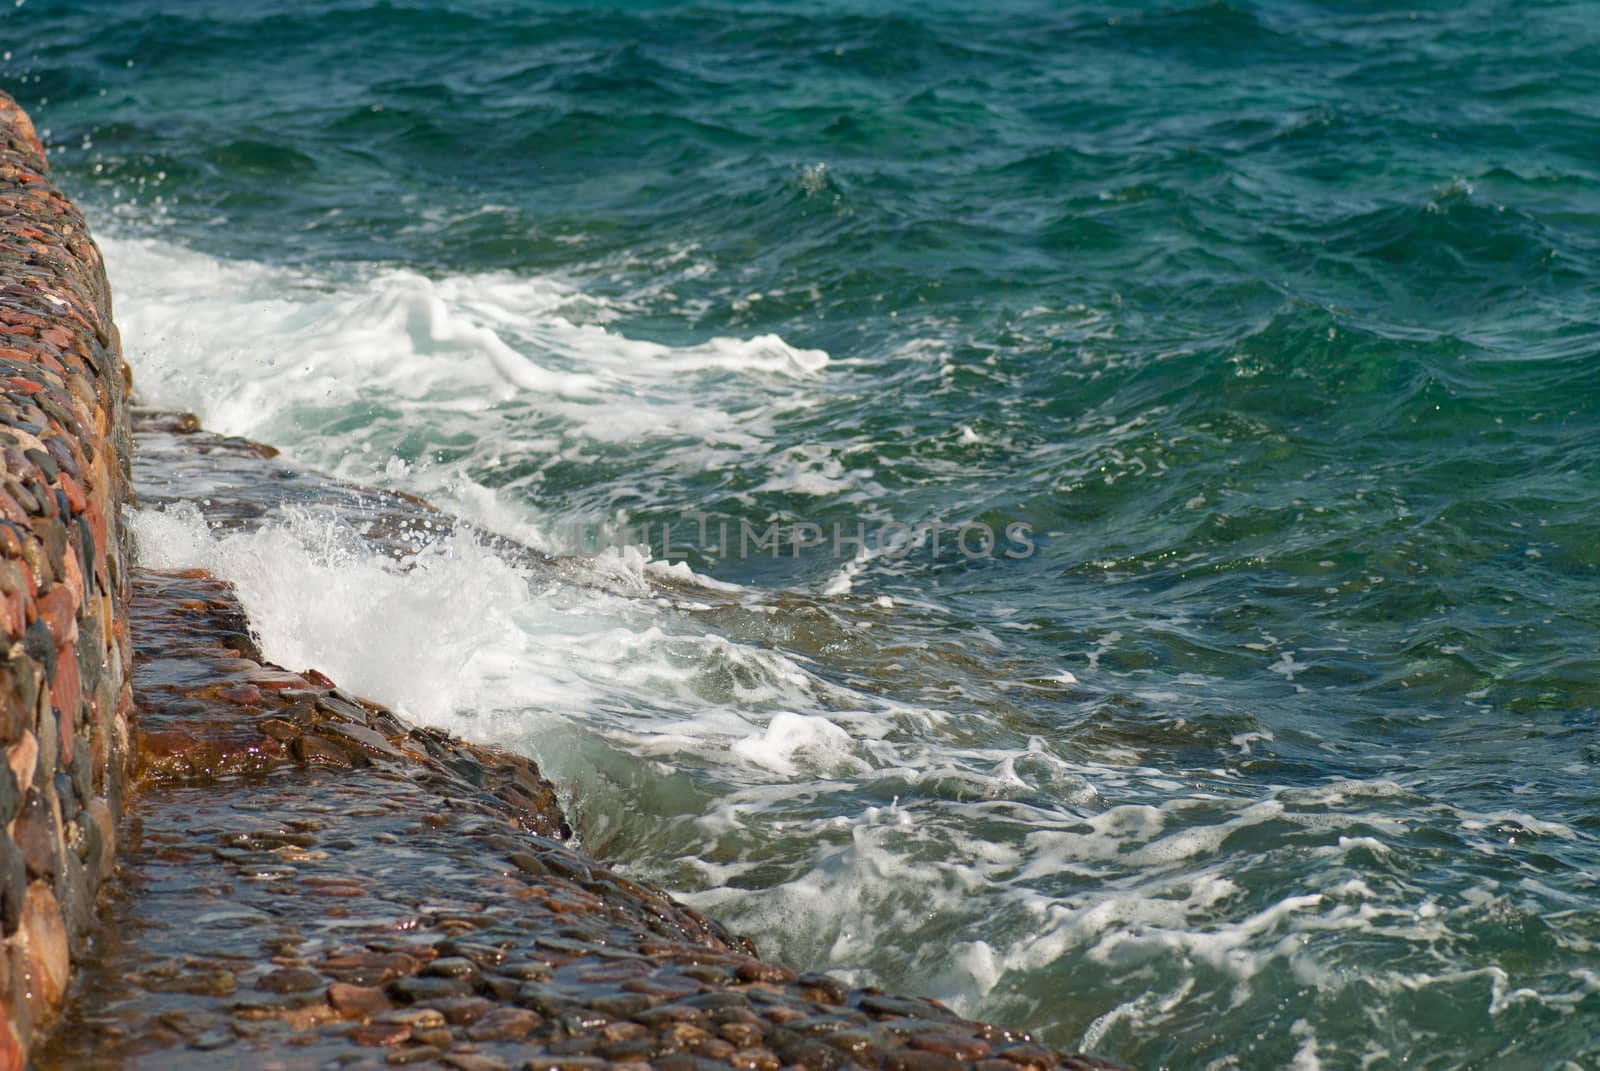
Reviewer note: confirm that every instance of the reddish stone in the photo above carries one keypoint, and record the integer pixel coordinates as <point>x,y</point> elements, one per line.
<point>96,517</point>
<point>369,968</point>
<point>277,679</point>
<point>28,575</point>
<point>10,1049</point>
<point>11,1057</point>
<point>1029,1055</point>
<point>380,1035</point>
<point>755,1060</point>
<point>745,1035</point>
<point>44,933</point>
<point>72,577</point>
<point>357,1001</point>
<point>13,613</point>
<point>167,743</point>
<point>23,757</point>
<point>756,971</point>
<point>714,1049</point>
<point>289,980</point>
<point>59,611</point>
<point>242,694</point>
<point>65,692</point>
<point>74,490</point>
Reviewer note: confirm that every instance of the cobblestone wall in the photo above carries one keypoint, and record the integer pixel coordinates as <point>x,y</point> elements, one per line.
<point>64,670</point>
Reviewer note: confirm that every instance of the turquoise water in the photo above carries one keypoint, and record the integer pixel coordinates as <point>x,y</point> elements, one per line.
<point>1276,323</point>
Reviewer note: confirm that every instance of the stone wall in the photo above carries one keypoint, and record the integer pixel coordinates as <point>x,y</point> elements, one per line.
<point>64,671</point>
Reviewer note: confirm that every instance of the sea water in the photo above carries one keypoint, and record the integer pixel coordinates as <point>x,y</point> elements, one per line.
<point>1269,329</point>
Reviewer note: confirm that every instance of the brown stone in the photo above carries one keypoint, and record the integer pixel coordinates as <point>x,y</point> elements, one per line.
<point>379,1035</point>
<point>309,1016</point>
<point>743,1035</point>
<point>22,757</point>
<point>822,988</point>
<point>369,968</point>
<point>714,1049</point>
<point>756,971</point>
<point>200,982</point>
<point>18,991</point>
<point>755,1060</point>
<point>684,1035</point>
<point>415,1018</point>
<point>11,1057</point>
<point>463,1011</point>
<point>279,730</point>
<point>506,1024</point>
<point>615,1032</point>
<point>318,751</point>
<point>44,934</point>
<point>289,980</point>
<point>357,1001</point>
<point>859,1044</point>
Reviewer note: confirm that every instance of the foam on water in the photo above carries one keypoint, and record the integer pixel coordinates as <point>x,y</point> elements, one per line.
<point>385,364</point>
<point>461,638</point>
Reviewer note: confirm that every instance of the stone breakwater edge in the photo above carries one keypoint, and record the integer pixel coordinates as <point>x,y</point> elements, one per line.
<point>303,879</point>
<point>65,690</point>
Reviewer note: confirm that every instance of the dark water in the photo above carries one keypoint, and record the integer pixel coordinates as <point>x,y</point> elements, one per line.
<point>1275,323</point>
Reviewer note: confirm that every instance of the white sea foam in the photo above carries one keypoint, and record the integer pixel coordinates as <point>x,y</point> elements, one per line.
<point>520,373</point>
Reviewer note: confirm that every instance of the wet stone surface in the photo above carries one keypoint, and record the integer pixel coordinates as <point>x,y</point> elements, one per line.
<point>237,485</point>
<point>206,707</point>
